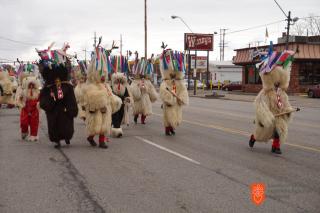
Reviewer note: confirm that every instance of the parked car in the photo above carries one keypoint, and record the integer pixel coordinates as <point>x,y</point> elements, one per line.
<point>237,85</point>
<point>186,82</point>
<point>191,83</point>
<point>314,92</point>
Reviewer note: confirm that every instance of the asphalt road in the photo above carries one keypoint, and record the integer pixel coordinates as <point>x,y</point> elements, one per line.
<point>206,167</point>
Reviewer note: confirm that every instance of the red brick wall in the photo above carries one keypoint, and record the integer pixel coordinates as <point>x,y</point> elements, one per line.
<point>294,79</point>
<point>249,87</point>
<point>294,86</point>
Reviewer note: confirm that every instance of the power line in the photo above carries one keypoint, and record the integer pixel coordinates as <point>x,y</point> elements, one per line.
<point>255,27</point>
<point>281,8</point>
<point>264,25</point>
<point>18,42</point>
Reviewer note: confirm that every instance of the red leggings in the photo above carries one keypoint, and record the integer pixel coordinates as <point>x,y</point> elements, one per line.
<point>29,119</point>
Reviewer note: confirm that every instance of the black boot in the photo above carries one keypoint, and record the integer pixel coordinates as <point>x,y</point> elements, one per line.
<point>276,150</point>
<point>103,145</point>
<point>251,141</point>
<point>172,131</point>
<point>136,119</point>
<point>168,133</point>
<point>67,142</point>
<point>58,145</point>
<point>91,141</point>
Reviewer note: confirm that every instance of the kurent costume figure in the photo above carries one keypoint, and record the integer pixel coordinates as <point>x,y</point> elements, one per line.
<point>6,90</point>
<point>80,76</point>
<point>57,97</point>
<point>143,91</point>
<point>24,71</point>
<point>18,95</point>
<point>273,110</point>
<point>120,89</point>
<point>99,101</point>
<point>173,92</point>
<point>28,102</point>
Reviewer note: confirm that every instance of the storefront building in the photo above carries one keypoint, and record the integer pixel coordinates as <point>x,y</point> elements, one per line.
<point>305,70</point>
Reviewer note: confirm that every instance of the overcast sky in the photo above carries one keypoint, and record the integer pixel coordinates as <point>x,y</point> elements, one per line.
<point>37,23</point>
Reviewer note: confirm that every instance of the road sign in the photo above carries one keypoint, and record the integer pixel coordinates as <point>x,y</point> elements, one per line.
<point>201,62</point>
<point>202,42</point>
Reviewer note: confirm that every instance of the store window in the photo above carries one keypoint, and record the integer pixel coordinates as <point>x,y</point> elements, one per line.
<point>309,73</point>
<point>252,75</point>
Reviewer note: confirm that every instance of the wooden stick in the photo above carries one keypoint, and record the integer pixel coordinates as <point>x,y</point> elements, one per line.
<point>284,113</point>
<point>172,93</point>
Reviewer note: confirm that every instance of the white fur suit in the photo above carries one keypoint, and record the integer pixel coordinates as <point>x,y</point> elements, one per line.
<point>173,92</point>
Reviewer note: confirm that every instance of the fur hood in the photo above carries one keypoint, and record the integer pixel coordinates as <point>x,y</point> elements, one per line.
<point>6,84</point>
<point>31,93</point>
<point>172,65</point>
<point>119,83</point>
<point>53,72</point>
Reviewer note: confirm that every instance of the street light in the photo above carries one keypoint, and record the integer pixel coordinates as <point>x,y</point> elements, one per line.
<point>289,19</point>
<point>215,33</point>
<point>174,17</point>
<point>189,60</point>
<point>145,30</point>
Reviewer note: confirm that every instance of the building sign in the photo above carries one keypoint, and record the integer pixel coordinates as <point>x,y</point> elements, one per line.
<point>203,42</point>
<point>256,53</point>
<point>201,62</point>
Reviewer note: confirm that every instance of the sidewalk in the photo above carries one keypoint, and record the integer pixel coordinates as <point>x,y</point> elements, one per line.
<point>299,100</point>
<point>219,94</point>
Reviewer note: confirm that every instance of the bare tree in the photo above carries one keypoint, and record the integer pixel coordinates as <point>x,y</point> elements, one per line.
<point>307,26</point>
<point>299,29</point>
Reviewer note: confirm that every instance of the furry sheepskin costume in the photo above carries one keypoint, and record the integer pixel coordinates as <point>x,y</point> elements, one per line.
<point>19,94</point>
<point>143,91</point>
<point>100,102</point>
<point>28,102</point>
<point>81,83</point>
<point>57,97</point>
<point>173,92</point>
<point>6,90</point>
<point>272,100</point>
<point>120,88</point>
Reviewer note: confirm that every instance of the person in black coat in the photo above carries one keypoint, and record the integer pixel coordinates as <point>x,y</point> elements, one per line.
<point>58,100</point>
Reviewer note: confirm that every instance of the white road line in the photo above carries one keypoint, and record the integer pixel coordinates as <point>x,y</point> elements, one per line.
<point>167,150</point>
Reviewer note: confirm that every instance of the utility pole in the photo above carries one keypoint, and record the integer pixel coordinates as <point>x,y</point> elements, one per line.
<point>85,54</point>
<point>289,19</point>
<point>222,44</point>
<point>288,29</point>
<point>145,29</point>
<point>95,40</point>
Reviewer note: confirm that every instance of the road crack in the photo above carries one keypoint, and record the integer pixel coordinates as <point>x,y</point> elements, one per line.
<point>76,184</point>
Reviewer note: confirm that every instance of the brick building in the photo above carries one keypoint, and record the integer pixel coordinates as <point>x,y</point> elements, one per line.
<point>305,70</point>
